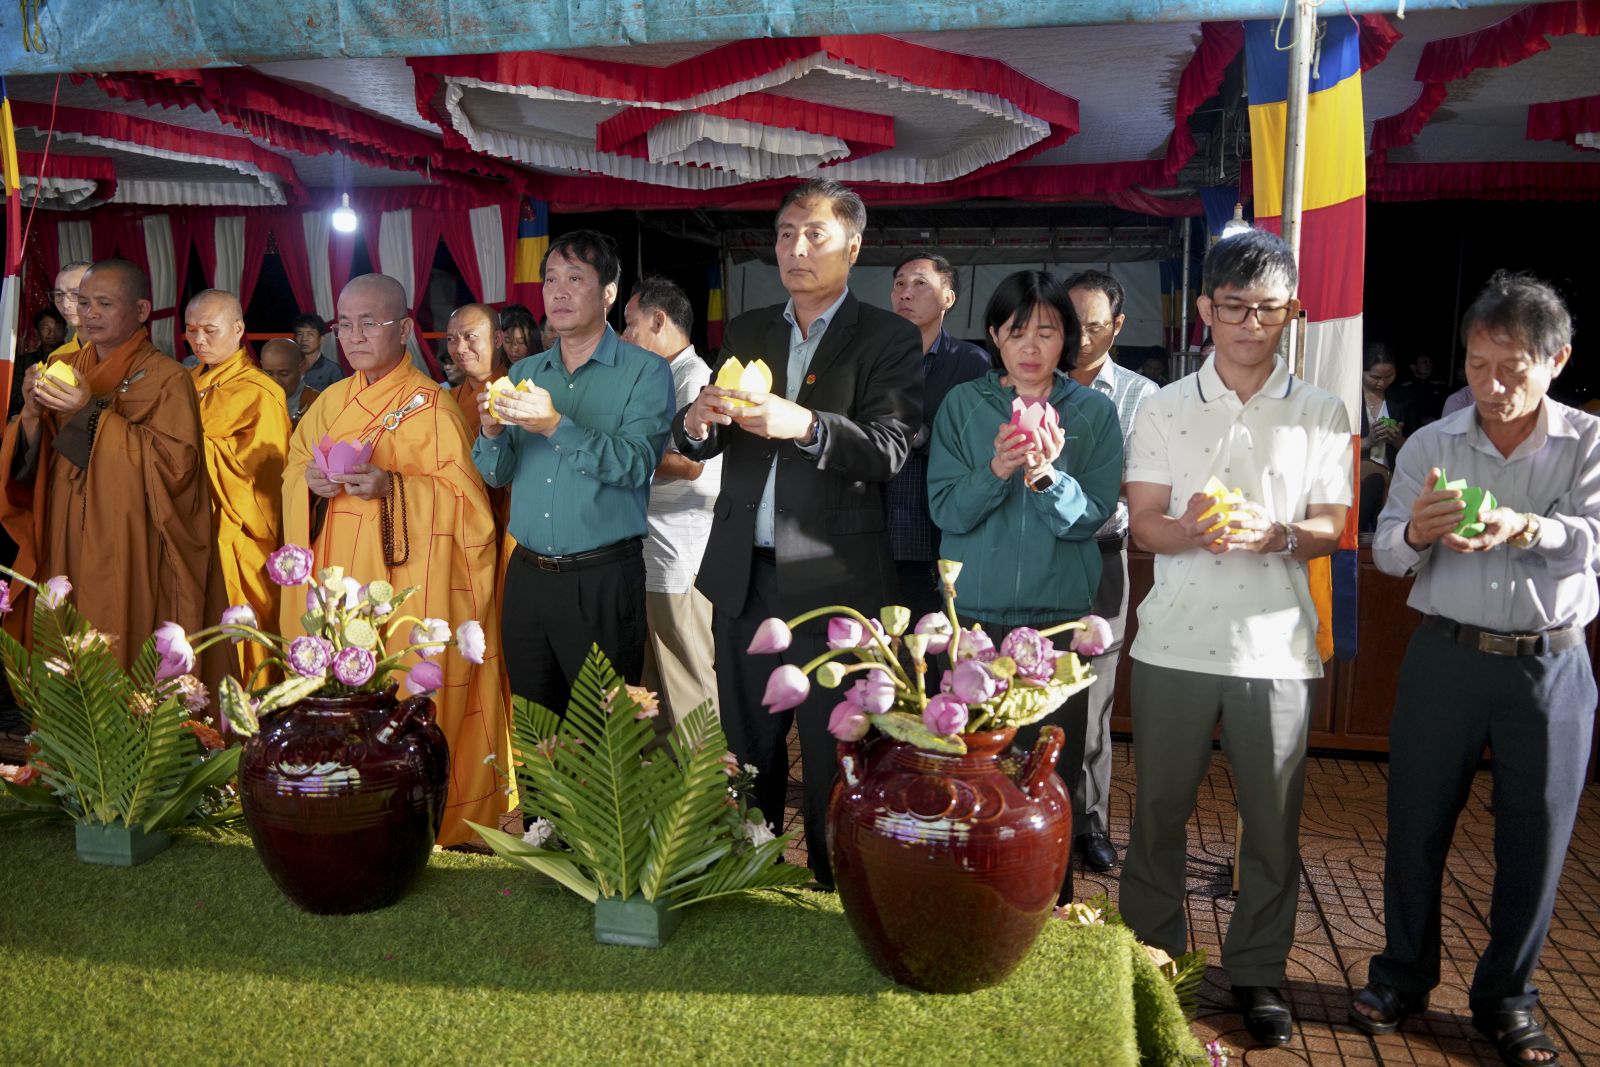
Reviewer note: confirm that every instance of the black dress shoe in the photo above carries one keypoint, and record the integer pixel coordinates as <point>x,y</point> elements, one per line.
<point>1097,851</point>
<point>1266,1015</point>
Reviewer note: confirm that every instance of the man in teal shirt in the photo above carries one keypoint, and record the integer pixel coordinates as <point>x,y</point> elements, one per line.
<point>578,449</point>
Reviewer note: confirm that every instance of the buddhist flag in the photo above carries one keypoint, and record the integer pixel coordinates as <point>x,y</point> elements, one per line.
<point>1333,233</point>
<point>714,310</point>
<point>533,240</point>
<point>11,292</point>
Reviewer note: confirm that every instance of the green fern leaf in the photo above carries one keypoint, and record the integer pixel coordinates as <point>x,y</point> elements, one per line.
<point>758,868</point>
<point>551,864</point>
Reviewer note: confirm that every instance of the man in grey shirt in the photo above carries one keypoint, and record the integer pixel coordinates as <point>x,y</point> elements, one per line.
<point>1499,660</point>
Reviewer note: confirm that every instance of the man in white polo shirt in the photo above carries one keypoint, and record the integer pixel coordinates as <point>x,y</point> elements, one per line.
<point>1228,631</point>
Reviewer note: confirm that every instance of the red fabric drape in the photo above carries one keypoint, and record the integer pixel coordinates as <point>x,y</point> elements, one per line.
<point>204,236</point>
<point>289,229</point>
<point>424,246</point>
<point>256,229</point>
<point>1563,120</point>
<point>456,229</point>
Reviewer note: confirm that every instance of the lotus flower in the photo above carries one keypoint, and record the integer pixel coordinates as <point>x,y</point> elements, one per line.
<point>773,635</point>
<point>432,635</point>
<point>974,644</point>
<point>309,656</point>
<point>753,377</point>
<point>5,598</point>
<point>425,677</point>
<point>56,591</point>
<point>239,615</point>
<point>352,594</point>
<point>873,694</point>
<point>848,722</point>
<point>1094,638</point>
<point>196,697</point>
<point>787,687</point>
<point>972,682</point>
<point>1034,655</point>
<point>537,833</point>
<point>944,715</point>
<point>936,628</point>
<point>340,457</point>
<point>845,632</point>
<point>290,565</point>
<point>354,666</point>
<point>470,641</point>
<point>177,655</point>
<point>1034,417</point>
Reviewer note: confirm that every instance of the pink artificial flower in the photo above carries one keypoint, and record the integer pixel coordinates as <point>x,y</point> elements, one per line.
<point>787,687</point>
<point>971,682</point>
<point>844,632</point>
<point>354,666</point>
<point>944,715</point>
<point>974,644</point>
<point>309,656</point>
<point>848,722</point>
<point>471,642</point>
<point>936,628</point>
<point>290,565</point>
<point>873,694</point>
<point>1094,638</point>
<point>432,635</point>
<point>869,638</point>
<point>177,655</point>
<point>1034,654</point>
<point>352,594</point>
<point>239,615</point>
<point>340,457</point>
<point>425,677</point>
<point>773,635</point>
<point>5,597</point>
<point>56,591</point>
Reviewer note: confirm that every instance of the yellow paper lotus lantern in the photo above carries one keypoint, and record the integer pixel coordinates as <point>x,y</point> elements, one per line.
<point>752,377</point>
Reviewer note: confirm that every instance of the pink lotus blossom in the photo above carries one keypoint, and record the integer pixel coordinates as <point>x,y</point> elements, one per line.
<point>56,591</point>
<point>944,715</point>
<point>239,615</point>
<point>873,694</point>
<point>787,687</point>
<point>971,682</point>
<point>352,594</point>
<point>1094,638</point>
<point>425,677</point>
<point>773,635</point>
<point>340,457</point>
<point>177,655</point>
<point>936,628</point>
<point>848,722</point>
<point>845,632</point>
<point>432,634</point>
<point>471,642</point>
<point>1034,654</point>
<point>974,644</point>
<point>5,597</point>
<point>354,666</point>
<point>290,565</point>
<point>309,656</point>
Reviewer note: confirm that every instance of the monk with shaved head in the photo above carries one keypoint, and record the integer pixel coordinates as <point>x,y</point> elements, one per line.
<point>103,473</point>
<point>414,515</point>
<point>246,422</point>
<point>282,362</point>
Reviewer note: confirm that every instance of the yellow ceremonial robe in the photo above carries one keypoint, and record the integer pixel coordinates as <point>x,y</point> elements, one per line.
<point>66,350</point>
<point>246,422</point>
<point>447,539</point>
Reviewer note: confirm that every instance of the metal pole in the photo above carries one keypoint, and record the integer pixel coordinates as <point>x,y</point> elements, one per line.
<point>1183,310</point>
<point>1294,154</point>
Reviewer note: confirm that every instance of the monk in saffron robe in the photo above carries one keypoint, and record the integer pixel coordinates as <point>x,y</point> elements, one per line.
<point>439,532</point>
<point>246,422</point>
<point>474,339</point>
<point>104,478</point>
<point>281,361</point>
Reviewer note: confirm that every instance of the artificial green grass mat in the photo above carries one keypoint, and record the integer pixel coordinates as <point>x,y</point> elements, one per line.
<point>195,957</point>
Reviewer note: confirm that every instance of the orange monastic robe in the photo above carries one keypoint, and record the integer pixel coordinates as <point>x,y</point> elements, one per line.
<point>131,525</point>
<point>466,398</point>
<point>418,434</point>
<point>246,422</point>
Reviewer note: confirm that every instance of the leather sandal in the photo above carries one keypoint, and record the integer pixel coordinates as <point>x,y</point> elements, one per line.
<point>1514,1032</point>
<point>1393,1008</point>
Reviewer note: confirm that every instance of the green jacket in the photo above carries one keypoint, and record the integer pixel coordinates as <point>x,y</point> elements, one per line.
<point>1027,558</point>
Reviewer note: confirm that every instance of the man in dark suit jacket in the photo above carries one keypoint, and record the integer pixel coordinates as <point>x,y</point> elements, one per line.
<point>801,520</point>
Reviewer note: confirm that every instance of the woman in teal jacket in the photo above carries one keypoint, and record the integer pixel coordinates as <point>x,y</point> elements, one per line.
<point>1021,511</point>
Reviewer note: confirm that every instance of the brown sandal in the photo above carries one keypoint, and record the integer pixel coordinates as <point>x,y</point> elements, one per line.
<point>1393,1008</point>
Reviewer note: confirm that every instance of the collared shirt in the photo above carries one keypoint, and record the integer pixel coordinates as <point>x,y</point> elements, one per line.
<point>1127,389</point>
<point>680,509</point>
<point>912,532</point>
<point>587,485</point>
<point>323,373</point>
<point>1554,474</point>
<point>801,349</point>
<point>1287,448</point>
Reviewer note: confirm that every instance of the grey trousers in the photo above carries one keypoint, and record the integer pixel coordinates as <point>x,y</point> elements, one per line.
<point>1086,767</point>
<point>1264,725</point>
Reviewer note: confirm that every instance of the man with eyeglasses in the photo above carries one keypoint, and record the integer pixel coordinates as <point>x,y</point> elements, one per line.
<point>1086,763</point>
<point>1229,630</point>
<point>65,298</point>
<point>414,514</point>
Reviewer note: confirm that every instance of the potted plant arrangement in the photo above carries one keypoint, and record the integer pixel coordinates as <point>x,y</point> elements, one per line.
<point>639,835</point>
<point>940,806</point>
<point>342,785</point>
<point>128,755</point>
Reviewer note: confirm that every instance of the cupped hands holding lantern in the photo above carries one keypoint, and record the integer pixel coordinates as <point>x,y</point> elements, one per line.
<point>526,405</point>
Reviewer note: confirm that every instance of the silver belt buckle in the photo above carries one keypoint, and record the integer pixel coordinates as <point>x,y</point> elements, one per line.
<point>1498,644</point>
<point>548,564</point>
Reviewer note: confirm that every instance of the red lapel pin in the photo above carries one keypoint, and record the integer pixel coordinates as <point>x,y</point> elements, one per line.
<point>811,379</point>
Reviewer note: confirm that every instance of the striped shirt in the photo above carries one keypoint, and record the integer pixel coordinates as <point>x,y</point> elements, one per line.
<point>1126,389</point>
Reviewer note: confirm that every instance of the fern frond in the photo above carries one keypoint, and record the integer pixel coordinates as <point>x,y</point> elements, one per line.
<point>759,868</point>
<point>215,769</point>
<point>552,864</point>
<point>684,837</point>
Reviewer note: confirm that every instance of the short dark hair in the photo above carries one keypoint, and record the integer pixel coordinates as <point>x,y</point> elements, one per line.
<point>1015,299</point>
<point>941,267</point>
<point>1522,309</point>
<point>1100,281</point>
<point>1377,354</point>
<point>656,293</point>
<point>308,321</point>
<point>1247,260</point>
<point>48,313</point>
<point>587,246</point>
<point>846,204</point>
<point>518,317</point>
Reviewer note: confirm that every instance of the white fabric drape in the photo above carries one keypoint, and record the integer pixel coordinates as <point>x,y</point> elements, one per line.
<point>76,242</point>
<point>316,227</point>
<point>163,281</point>
<point>230,253</point>
<point>396,260</point>
<point>489,242</point>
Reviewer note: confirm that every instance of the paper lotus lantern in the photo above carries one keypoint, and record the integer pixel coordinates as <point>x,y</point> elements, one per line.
<point>1226,504</point>
<point>1032,417</point>
<point>1477,499</point>
<point>62,372</point>
<point>752,377</point>
<point>504,385</point>
<point>340,457</point>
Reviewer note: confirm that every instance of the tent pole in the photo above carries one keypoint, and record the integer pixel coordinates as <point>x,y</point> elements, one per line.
<point>1183,305</point>
<point>1294,149</point>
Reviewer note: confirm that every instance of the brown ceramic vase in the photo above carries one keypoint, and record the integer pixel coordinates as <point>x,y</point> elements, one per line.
<point>343,797</point>
<point>949,866</point>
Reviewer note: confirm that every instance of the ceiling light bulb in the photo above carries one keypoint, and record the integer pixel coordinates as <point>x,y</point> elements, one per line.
<point>344,218</point>
<point>1232,228</point>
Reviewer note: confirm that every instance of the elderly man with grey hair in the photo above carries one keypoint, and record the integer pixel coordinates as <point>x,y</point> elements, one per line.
<point>1499,660</point>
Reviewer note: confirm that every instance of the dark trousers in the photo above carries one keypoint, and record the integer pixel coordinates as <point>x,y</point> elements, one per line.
<point>762,739</point>
<point>550,619</point>
<point>919,587</point>
<point>1088,773</point>
<point>1536,713</point>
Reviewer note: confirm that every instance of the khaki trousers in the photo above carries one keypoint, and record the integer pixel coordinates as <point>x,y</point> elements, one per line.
<point>679,656</point>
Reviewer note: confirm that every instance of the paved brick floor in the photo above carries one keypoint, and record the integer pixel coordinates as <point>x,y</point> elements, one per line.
<point>1341,903</point>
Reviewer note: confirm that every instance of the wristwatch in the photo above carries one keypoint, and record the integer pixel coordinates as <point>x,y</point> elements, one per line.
<point>1041,479</point>
<point>1530,532</point>
<point>1291,539</point>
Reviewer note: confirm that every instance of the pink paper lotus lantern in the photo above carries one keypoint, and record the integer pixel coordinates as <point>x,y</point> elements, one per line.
<point>340,457</point>
<point>1032,417</point>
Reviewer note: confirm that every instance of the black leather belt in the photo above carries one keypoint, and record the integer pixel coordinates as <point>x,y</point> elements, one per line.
<point>1496,643</point>
<point>577,561</point>
<point>1110,546</point>
<point>767,555</point>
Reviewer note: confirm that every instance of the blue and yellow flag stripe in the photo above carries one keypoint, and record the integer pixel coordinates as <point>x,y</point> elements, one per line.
<point>533,240</point>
